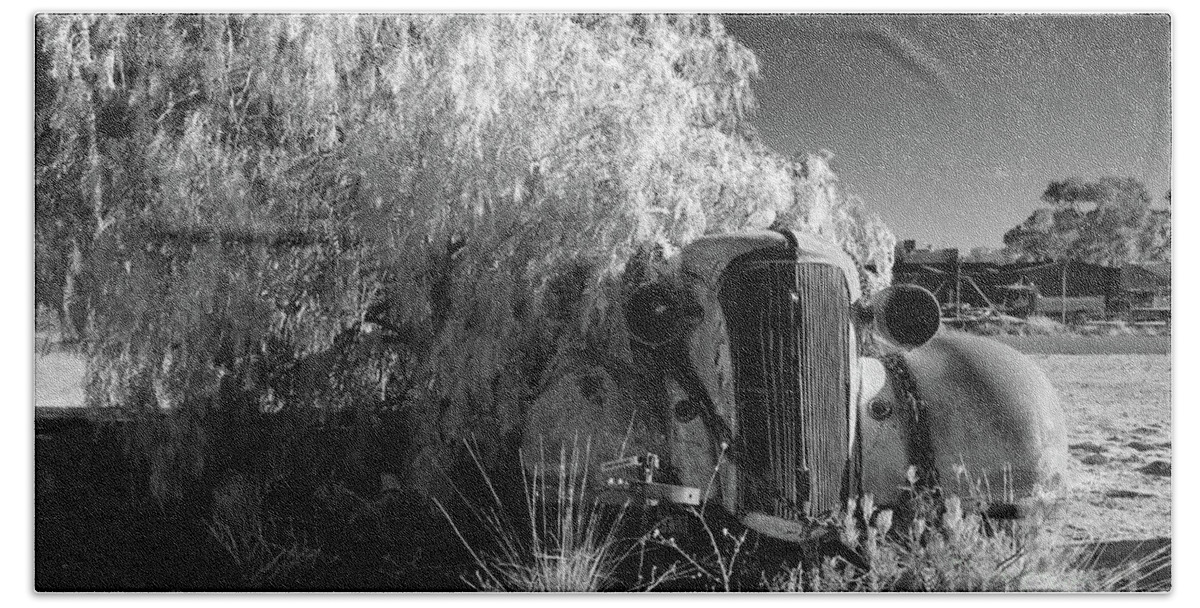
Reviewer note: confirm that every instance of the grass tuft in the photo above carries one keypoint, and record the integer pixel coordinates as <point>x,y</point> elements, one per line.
<point>263,550</point>
<point>563,540</point>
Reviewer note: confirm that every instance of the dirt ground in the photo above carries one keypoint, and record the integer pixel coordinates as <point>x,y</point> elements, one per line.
<point>1119,411</point>
<point>58,379</point>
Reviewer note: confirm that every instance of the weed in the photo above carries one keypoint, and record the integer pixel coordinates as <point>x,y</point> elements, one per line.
<point>263,550</point>
<point>565,540</point>
<point>948,543</point>
<point>718,561</point>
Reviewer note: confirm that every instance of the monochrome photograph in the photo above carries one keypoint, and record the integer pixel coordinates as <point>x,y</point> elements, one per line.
<point>569,302</point>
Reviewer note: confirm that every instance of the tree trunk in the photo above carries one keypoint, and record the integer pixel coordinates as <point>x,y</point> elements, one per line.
<point>74,311</point>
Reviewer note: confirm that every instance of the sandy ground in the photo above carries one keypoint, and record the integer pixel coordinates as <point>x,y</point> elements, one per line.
<point>1119,410</point>
<point>58,379</point>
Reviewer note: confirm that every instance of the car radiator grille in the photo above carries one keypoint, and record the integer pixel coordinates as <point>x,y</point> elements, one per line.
<point>788,327</point>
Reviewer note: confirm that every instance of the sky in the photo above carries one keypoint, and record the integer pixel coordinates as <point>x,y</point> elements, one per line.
<point>950,127</point>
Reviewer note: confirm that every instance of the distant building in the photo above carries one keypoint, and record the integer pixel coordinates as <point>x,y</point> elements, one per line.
<point>984,279</point>
<point>1146,286</point>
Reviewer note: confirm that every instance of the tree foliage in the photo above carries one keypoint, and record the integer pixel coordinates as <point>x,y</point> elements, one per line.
<point>330,212</point>
<point>1111,221</point>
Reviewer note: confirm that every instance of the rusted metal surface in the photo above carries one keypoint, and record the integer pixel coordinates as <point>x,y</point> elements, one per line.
<point>789,330</point>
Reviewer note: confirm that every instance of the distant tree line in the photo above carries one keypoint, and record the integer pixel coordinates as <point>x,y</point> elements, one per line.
<point>1111,221</point>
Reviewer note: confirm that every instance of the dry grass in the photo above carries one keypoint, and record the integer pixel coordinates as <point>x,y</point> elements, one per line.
<point>942,544</point>
<point>264,551</point>
<point>1076,344</point>
<point>565,541</point>
<point>1040,334</point>
<point>719,565</point>
<point>956,549</point>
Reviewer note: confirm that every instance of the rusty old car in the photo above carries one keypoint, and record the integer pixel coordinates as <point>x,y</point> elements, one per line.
<point>760,379</point>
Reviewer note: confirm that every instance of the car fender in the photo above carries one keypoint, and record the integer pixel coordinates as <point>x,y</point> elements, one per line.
<point>993,422</point>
